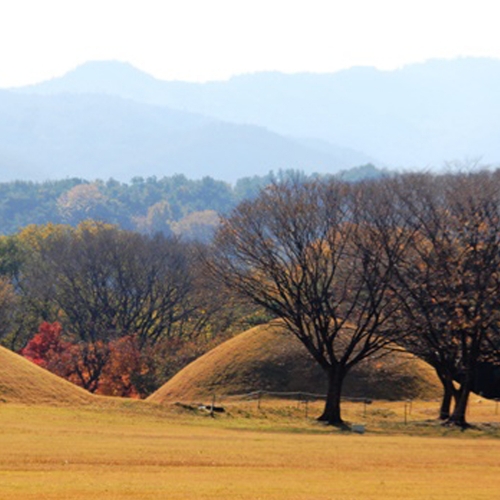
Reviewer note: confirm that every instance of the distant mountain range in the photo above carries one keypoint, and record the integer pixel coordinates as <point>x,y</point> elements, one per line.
<point>102,136</point>
<point>108,119</point>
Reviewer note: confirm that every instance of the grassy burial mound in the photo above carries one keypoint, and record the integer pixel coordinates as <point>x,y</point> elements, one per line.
<point>268,358</point>
<point>21,381</point>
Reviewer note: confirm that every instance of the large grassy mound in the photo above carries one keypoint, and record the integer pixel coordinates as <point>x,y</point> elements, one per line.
<point>21,381</point>
<point>268,358</point>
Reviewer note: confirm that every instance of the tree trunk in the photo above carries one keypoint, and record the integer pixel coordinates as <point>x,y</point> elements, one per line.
<point>444,411</point>
<point>331,413</point>
<point>458,417</point>
<point>449,393</point>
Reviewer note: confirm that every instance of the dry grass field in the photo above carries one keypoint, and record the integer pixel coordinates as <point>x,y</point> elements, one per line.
<point>58,442</point>
<point>118,450</point>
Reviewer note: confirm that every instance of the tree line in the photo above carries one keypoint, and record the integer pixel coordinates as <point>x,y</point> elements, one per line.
<point>114,311</point>
<point>171,205</point>
<point>353,270</point>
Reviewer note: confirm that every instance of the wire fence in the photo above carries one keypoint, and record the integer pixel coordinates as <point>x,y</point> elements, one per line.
<point>485,408</point>
<point>297,395</point>
<point>303,399</point>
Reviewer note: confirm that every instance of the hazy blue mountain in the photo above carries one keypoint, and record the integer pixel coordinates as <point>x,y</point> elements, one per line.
<point>421,115</point>
<point>105,77</point>
<point>94,135</point>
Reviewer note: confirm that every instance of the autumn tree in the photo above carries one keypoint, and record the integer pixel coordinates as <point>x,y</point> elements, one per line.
<point>107,282</point>
<point>129,371</point>
<point>307,252</point>
<point>19,319</point>
<point>449,282</point>
<point>197,226</point>
<point>9,308</point>
<point>79,363</point>
<point>83,202</point>
<point>103,283</point>
<point>51,351</point>
<point>158,219</point>
<point>125,372</point>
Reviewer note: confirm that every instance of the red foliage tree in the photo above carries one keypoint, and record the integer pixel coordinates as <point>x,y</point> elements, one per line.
<point>123,367</point>
<point>45,342</point>
<point>116,368</point>
<point>48,350</point>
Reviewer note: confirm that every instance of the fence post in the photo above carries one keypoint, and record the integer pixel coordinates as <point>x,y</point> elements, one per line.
<point>213,405</point>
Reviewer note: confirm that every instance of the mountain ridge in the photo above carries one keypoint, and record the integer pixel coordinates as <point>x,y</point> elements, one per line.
<point>95,135</point>
<point>419,116</point>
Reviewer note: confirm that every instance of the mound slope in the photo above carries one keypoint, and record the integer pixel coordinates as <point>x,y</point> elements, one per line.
<point>269,358</point>
<point>21,381</point>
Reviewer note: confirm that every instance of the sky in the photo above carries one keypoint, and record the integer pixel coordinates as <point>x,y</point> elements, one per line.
<point>202,40</point>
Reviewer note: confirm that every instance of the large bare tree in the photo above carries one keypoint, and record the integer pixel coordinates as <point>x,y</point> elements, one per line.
<point>105,282</point>
<point>449,279</point>
<point>310,253</point>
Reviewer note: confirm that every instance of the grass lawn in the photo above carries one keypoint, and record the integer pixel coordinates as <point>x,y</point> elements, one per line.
<point>134,450</point>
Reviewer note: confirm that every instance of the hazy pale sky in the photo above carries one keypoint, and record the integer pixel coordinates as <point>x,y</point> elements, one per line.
<point>213,39</point>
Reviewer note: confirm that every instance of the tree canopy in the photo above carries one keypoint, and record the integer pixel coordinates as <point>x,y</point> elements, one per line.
<point>349,269</point>
<point>308,253</point>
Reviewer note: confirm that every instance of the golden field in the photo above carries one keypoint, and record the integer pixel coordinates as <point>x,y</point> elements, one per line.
<point>115,449</point>
<point>58,442</point>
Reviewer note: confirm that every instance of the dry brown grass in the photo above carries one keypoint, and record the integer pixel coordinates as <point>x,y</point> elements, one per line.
<point>415,417</point>
<point>64,444</point>
<point>131,450</point>
<point>23,382</point>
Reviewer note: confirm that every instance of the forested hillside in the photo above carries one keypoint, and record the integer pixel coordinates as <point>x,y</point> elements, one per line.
<point>169,205</point>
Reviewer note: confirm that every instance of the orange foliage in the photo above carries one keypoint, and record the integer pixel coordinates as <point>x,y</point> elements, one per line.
<point>116,368</point>
<point>124,370</point>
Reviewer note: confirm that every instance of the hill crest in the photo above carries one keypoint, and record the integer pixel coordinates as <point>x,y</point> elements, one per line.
<point>269,358</point>
<point>23,382</point>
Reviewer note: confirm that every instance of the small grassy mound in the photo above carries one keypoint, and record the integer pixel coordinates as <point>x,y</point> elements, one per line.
<point>21,381</point>
<point>269,358</point>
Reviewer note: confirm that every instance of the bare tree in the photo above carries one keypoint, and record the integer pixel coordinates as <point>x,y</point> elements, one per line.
<point>105,282</point>
<point>102,283</point>
<point>449,278</point>
<point>309,254</point>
